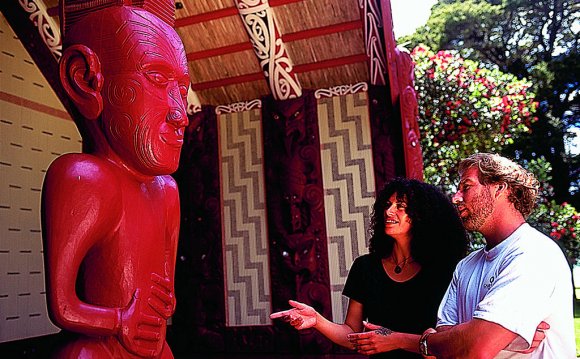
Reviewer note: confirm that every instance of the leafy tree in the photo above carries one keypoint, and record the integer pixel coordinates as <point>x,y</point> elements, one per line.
<point>537,40</point>
<point>465,107</point>
<point>559,221</point>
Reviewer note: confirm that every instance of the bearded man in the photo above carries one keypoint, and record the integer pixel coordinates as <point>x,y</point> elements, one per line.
<point>111,214</point>
<point>511,299</point>
<point>520,283</point>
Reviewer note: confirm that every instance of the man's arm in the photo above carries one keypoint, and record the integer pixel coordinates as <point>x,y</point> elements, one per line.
<point>475,339</point>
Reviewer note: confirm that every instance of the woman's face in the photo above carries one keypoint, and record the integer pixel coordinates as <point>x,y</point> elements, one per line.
<point>397,222</point>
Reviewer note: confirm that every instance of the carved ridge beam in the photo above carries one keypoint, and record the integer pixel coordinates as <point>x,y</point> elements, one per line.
<point>270,50</point>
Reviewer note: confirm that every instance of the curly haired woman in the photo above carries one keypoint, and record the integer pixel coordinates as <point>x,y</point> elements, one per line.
<point>416,240</point>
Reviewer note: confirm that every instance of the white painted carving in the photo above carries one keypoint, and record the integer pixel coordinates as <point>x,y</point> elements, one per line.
<point>238,107</point>
<point>47,27</point>
<point>341,90</point>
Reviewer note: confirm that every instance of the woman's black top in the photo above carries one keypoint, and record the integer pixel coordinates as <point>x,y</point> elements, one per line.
<point>408,307</point>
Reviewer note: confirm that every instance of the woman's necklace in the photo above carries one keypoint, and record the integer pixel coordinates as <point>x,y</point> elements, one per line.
<point>399,265</point>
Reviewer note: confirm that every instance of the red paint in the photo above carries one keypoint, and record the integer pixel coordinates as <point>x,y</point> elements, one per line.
<point>110,215</point>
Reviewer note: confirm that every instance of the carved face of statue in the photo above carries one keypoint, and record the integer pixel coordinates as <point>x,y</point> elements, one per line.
<point>144,93</point>
<point>291,115</point>
<point>299,254</point>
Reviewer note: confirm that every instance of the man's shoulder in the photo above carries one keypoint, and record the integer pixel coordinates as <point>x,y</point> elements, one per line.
<point>534,241</point>
<point>533,247</point>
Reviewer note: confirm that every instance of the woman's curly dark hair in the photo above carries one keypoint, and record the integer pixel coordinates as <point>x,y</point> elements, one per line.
<point>438,237</point>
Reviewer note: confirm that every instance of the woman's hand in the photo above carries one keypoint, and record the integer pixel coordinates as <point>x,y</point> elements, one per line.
<point>376,340</point>
<point>301,316</point>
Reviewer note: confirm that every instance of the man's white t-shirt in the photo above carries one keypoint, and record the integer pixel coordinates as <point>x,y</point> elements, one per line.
<point>517,284</point>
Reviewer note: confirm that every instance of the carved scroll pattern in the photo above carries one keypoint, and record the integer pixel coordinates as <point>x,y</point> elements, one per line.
<point>341,90</point>
<point>259,22</point>
<point>239,107</point>
<point>47,28</point>
<point>373,43</point>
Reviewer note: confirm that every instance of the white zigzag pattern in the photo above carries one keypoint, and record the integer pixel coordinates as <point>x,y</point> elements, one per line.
<point>348,186</point>
<point>244,220</point>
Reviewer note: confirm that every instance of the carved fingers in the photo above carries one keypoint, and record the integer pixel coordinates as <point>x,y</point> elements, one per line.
<point>141,334</point>
<point>162,299</point>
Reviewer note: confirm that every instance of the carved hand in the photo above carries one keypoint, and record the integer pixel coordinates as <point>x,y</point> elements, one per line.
<point>140,333</point>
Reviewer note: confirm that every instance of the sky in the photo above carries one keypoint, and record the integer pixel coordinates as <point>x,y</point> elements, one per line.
<point>410,14</point>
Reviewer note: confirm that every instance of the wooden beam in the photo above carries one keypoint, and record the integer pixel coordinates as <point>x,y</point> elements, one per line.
<point>221,13</point>
<point>341,61</point>
<point>299,35</point>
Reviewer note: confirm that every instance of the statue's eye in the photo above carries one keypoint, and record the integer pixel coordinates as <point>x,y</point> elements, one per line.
<point>275,116</point>
<point>157,77</point>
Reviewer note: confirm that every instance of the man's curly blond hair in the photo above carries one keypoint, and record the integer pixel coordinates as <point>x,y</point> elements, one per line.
<point>494,169</point>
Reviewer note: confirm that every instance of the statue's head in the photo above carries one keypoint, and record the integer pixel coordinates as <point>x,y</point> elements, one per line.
<point>125,69</point>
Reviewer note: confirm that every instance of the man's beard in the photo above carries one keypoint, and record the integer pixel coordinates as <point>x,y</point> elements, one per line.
<point>479,211</point>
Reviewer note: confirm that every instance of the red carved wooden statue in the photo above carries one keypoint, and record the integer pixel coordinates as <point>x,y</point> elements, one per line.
<point>111,213</point>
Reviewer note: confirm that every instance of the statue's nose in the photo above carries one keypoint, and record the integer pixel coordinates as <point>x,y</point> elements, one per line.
<point>177,117</point>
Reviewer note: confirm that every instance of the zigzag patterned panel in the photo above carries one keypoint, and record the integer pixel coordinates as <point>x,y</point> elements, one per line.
<point>349,186</point>
<point>246,265</point>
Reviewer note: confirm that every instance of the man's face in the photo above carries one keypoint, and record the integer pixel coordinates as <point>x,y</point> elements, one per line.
<point>473,200</point>
<point>144,94</point>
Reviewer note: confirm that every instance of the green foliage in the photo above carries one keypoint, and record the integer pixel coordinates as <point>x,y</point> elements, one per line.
<point>515,35</point>
<point>537,40</point>
<point>562,223</point>
<point>465,108</point>
<point>559,221</point>
<point>457,25</point>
